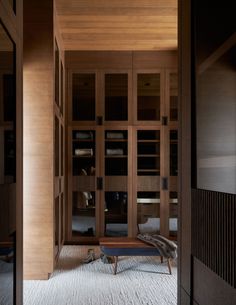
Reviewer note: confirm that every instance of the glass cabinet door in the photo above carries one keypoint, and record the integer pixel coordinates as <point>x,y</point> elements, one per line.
<point>148,180</point>
<point>83,183</point>
<point>148,96</point>
<point>173,95</point>
<point>83,97</point>
<point>173,183</point>
<point>116,96</point>
<point>116,183</point>
<point>173,153</point>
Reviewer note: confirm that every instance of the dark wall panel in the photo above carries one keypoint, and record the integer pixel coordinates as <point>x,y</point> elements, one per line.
<point>213,232</point>
<point>216,124</point>
<point>210,289</point>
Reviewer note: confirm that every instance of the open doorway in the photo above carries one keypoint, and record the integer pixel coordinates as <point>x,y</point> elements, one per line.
<point>115,119</point>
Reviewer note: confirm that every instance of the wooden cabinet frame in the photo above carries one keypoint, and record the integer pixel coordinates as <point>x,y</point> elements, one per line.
<point>130,104</point>
<point>135,96</point>
<point>132,125</point>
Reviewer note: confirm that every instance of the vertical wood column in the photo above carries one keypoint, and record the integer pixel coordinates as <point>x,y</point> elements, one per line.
<point>38,139</point>
<point>184,196</point>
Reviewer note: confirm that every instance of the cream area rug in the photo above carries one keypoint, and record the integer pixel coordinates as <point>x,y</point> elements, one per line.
<point>139,281</point>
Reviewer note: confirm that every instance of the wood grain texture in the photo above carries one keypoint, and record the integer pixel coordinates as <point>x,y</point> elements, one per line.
<point>38,141</point>
<point>123,242</point>
<point>98,60</point>
<point>118,25</point>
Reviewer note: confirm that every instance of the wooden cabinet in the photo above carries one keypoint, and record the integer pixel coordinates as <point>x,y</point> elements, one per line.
<point>116,170</point>
<point>122,152</point>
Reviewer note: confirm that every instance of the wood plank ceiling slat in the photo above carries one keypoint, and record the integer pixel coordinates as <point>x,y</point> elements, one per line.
<point>118,24</point>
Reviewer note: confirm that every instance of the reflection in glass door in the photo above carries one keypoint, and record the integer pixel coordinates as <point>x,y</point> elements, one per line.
<point>148,96</point>
<point>83,96</point>
<point>116,97</point>
<point>83,183</point>
<point>148,181</point>
<point>8,183</point>
<point>116,183</point>
<point>173,187</point>
<point>173,94</point>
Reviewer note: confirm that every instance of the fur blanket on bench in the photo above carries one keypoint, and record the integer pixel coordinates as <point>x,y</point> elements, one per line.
<point>166,247</point>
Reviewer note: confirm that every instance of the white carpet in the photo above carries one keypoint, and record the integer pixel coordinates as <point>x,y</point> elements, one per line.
<point>6,283</point>
<point>140,281</point>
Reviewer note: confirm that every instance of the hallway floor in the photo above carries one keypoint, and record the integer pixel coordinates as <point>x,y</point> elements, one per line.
<point>140,281</point>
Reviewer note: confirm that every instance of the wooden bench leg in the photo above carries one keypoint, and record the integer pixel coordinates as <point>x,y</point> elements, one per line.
<point>169,265</point>
<point>115,265</point>
<point>162,259</point>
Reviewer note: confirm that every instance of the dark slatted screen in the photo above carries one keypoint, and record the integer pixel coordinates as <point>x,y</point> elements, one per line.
<point>214,232</point>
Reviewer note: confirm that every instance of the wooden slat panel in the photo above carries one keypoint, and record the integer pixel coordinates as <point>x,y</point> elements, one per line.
<point>121,11</point>
<point>213,232</point>
<point>109,25</point>
<point>74,4</point>
<point>133,45</point>
<point>111,17</point>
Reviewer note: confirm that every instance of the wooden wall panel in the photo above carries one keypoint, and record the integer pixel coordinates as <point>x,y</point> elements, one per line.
<point>98,60</point>
<point>155,60</point>
<point>38,139</point>
<point>120,60</point>
<point>216,292</point>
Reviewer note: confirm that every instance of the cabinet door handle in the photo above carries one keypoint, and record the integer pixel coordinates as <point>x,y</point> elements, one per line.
<point>164,120</point>
<point>99,120</point>
<point>99,183</point>
<point>164,182</point>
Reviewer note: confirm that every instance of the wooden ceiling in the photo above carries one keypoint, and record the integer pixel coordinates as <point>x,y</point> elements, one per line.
<point>117,24</point>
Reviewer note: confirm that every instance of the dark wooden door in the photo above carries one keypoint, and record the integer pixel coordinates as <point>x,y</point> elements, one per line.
<point>208,149</point>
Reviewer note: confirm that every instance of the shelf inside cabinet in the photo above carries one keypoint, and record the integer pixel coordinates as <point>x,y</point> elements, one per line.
<point>116,140</point>
<point>148,155</point>
<point>116,156</point>
<point>116,148</point>
<point>82,140</point>
<point>148,141</point>
<point>148,152</point>
<point>83,152</point>
<point>149,170</point>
